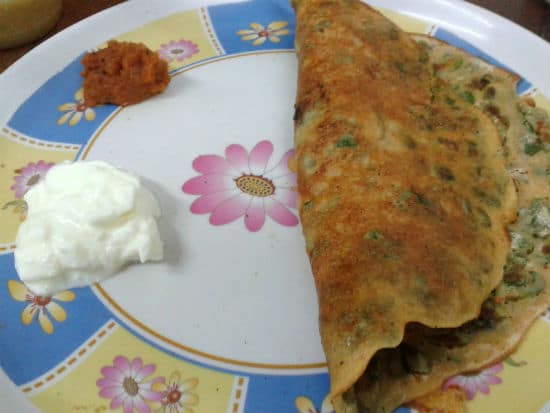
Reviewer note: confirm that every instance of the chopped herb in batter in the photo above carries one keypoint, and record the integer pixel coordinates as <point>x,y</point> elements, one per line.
<point>346,141</point>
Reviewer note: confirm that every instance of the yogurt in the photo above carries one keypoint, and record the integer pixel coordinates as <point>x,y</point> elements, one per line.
<point>86,220</point>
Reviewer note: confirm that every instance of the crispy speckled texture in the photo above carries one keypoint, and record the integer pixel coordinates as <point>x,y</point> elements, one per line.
<point>524,292</point>
<point>404,198</point>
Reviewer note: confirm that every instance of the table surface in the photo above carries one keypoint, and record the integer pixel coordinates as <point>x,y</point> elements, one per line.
<point>531,14</point>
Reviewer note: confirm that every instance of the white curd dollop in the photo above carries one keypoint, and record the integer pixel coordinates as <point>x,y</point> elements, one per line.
<point>85,221</point>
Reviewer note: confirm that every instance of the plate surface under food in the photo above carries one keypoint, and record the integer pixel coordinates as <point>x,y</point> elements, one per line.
<point>228,322</point>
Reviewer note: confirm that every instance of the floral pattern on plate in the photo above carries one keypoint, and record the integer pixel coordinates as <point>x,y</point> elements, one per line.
<point>42,305</point>
<point>241,184</point>
<point>259,33</point>
<point>178,394</point>
<point>25,179</point>
<point>476,382</point>
<point>177,50</point>
<point>127,384</point>
<point>28,176</point>
<point>73,111</point>
<point>305,405</point>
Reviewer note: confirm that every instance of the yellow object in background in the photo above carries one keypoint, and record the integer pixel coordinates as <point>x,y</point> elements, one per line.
<point>22,21</point>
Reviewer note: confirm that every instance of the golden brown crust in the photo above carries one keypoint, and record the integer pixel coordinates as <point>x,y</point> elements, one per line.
<point>524,292</point>
<point>452,400</point>
<point>404,197</point>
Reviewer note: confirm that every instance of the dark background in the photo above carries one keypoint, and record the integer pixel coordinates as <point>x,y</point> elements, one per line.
<point>534,15</point>
<point>531,14</point>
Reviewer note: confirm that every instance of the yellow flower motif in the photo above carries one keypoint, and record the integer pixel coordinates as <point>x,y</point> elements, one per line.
<point>19,208</point>
<point>178,396</point>
<point>304,405</point>
<point>41,305</point>
<point>260,33</point>
<point>75,110</point>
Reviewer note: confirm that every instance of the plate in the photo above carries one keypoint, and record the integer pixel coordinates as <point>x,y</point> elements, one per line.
<point>228,321</point>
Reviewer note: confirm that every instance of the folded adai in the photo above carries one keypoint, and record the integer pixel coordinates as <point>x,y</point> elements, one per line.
<point>405,199</point>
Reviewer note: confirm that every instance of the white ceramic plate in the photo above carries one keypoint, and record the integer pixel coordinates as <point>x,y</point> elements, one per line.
<point>230,315</point>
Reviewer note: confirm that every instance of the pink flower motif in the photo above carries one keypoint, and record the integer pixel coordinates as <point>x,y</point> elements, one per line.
<point>472,383</point>
<point>546,316</point>
<point>177,50</point>
<point>29,176</point>
<point>125,383</point>
<point>241,184</point>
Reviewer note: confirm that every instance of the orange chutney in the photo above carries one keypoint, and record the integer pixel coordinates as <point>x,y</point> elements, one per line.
<point>123,73</point>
